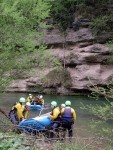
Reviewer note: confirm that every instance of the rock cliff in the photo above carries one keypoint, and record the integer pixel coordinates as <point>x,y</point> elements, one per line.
<point>86,59</point>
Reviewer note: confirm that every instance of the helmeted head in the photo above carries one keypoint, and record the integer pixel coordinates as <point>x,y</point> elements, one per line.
<point>53,103</point>
<point>30,96</point>
<point>41,96</point>
<point>63,105</point>
<point>28,104</point>
<point>68,103</point>
<point>22,100</point>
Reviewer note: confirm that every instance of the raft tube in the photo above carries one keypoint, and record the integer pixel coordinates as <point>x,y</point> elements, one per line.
<point>35,125</point>
<point>34,107</point>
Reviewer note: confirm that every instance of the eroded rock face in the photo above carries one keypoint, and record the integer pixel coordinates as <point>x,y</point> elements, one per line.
<point>55,37</point>
<point>86,76</point>
<point>85,61</point>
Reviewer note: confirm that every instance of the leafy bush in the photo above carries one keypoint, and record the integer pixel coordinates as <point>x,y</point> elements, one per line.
<point>57,77</point>
<point>11,142</point>
<point>100,24</point>
<point>62,12</point>
<point>21,23</point>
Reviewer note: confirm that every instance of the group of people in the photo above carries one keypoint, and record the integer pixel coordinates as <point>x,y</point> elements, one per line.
<point>37,100</point>
<point>20,110</point>
<point>64,116</point>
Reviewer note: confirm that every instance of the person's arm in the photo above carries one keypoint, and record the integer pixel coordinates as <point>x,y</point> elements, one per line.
<point>62,110</point>
<point>74,114</point>
<point>42,101</point>
<point>55,114</point>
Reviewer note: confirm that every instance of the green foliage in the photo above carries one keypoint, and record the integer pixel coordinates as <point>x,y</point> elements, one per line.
<point>100,24</point>
<point>19,21</point>
<point>57,77</point>
<point>62,12</point>
<point>99,91</point>
<point>70,146</point>
<point>110,44</point>
<point>22,24</point>
<point>101,129</point>
<point>104,112</point>
<point>7,62</point>
<point>102,122</point>
<point>36,60</point>
<point>12,142</point>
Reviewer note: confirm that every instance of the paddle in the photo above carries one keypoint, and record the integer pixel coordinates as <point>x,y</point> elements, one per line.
<point>47,105</point>
<point>40,112</point>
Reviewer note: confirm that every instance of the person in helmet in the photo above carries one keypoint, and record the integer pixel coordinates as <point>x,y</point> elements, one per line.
<point>29,98</point>
<point>62,106</point>
<point>41,100</point>
<point>26,110</point>
<point>68,116</point>
<point>37,100</point>
<point>19,108</point>
<point>55,117</point>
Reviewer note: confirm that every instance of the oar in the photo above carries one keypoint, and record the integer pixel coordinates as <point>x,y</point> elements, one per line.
<point>47,105</point>
<point>40,112</point>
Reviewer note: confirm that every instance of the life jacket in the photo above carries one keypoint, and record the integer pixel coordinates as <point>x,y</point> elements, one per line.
<point>37,101</point>
<point>42,101</point>
<point>20,109</point>
<point>26,112</point>
<point>67,115</point>
<point>59,115</point>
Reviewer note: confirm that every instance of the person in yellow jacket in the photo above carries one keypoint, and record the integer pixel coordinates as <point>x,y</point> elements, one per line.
<point>19,108</point>
<point>29,98</point>
<point>55,117</point>
<point>26,110</point>
<point>68,116</point>
<point>41,100</point>
<point>55,113</point>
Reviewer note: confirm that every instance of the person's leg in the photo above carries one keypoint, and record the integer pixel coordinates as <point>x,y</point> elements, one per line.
<point>64,129</point>
<point>55,125</point>
<point>70,132</point>
<point>53,130</point>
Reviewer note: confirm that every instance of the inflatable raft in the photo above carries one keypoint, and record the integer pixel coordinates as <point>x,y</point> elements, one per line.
<point>35,125</point>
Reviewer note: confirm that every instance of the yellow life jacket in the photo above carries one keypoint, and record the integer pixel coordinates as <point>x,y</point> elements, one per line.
<point>20,109</point>
<point>28,99</point>
<point>26,113</point>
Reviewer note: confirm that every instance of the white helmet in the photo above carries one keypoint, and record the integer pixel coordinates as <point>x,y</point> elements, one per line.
<point>30,95</point>
<point>28,104</point>
<point>41,96</point>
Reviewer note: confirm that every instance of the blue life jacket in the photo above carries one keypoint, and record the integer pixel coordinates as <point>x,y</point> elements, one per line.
<point>67,117</point>
<point>67,114</point>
